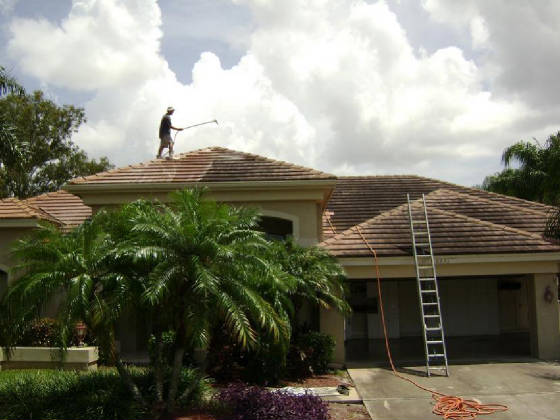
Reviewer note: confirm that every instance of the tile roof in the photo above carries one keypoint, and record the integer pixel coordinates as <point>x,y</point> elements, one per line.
<point>359,198</point>
<point>59,207</point>
<point>13,208</point>
<point>452,233</point>
<point>212,164</point>
<point>66,208</point>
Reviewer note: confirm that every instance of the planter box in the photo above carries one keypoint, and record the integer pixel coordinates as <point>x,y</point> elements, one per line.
<point>78,358</point>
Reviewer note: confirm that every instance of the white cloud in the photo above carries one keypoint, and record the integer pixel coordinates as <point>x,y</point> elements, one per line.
<point>327,83</point>
<point>6,6</point>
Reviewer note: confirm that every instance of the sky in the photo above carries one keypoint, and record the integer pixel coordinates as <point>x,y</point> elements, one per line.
<point>436,88</point>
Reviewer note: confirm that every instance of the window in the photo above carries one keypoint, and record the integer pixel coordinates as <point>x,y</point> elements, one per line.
<point>3,282</point>
<point>275,227</point>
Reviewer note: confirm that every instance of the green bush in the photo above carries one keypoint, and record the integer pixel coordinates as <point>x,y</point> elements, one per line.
<point>56,394</point>
<point>43,332</point>
<point>310,353</point>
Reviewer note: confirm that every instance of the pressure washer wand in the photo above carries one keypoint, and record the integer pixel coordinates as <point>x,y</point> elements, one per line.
<point>207,122</point>
<point>195,125</point>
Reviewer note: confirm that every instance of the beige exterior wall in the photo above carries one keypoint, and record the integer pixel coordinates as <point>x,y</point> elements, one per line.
<point>543,316</point>
<point>332,322</point>
<point>302,207</point>
<point>7,237</point>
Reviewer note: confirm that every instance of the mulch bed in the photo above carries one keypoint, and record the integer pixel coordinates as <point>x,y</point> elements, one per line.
<point>337,411</point>
<point>320,381</point>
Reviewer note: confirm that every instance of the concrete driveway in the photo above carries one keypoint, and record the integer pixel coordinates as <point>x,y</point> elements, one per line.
<point>531,390</point>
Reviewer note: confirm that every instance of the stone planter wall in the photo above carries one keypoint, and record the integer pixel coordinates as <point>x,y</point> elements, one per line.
<point>78,358</point>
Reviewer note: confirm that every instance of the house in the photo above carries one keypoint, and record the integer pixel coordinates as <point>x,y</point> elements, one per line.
<point>497,274</point>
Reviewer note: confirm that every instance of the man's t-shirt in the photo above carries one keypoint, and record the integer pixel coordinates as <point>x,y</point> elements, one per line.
<point>165,126</point>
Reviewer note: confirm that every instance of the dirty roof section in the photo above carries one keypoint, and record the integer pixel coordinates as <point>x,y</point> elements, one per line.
<point>357,199</point>
<point>212,164</point>
<point>462,220</point>
<point>60,207</point>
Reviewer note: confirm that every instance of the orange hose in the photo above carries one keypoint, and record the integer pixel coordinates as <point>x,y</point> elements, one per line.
<point>447,406</point>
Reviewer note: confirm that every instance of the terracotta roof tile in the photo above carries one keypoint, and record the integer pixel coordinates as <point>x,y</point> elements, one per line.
<point>13,208</point>
<point>58,207</point>
<point>213,164</point>
<point>66,208</point>
<point>451,233</point>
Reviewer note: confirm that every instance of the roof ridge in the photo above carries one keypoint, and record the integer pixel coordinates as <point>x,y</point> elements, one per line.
<point>484,222</point>
<point>492,193</point>
<point>476,197</point>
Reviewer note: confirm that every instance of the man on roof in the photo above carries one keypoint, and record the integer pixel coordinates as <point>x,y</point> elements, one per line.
<point>165,127</point>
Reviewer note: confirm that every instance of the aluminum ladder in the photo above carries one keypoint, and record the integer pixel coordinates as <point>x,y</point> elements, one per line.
<point>428,294</point>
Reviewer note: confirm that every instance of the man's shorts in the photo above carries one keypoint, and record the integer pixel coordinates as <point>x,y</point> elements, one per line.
<point>165,140</point>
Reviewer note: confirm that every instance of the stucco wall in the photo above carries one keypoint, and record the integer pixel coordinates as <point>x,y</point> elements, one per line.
<point>7,238</point>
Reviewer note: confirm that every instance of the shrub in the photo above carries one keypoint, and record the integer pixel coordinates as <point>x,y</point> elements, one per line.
<point>242,402</point>
<point>227,361</point>
<point>43,332</point>
<point>310,353</point>
<point>56,394</point>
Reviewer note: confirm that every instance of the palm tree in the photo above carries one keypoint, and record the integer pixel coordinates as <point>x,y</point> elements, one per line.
<point>538,176</point>
<point>318,277</point>
<point>8,84</point>
<point>208,268</point>
<point>80,269</point>
<point>9,152</point>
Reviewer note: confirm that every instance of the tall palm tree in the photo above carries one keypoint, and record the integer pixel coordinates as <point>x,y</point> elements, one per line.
<point>8,145</point>
<point>8,84</point>
<point>208,268</point>
<point>538,175</point>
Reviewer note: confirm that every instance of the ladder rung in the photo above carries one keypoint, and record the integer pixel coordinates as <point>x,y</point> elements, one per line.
<point>431,316</point>
<point>426,278</point>
<point>429,303</point>
<point>433,328</point>
<point>429,291</point>
<point>434,342</point>
<point>425,267</point>
<point>436,355</point>
<point>437,368</point>
<point>421,244</point>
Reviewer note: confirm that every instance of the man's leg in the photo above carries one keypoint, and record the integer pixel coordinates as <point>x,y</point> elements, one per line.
<point>159,151</point>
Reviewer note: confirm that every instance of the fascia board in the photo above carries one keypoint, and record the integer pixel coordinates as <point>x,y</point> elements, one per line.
<point>173,186</point>
<point>456,259</point>
<point>16,223</point>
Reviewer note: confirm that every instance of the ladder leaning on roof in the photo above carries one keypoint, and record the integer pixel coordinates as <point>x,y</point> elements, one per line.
<point>430,308</point>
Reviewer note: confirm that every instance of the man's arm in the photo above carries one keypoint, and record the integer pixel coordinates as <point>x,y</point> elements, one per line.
<point>177,128</point>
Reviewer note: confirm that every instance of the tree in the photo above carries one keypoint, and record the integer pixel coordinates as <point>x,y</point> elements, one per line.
<point>318,277</point>
<point>190,265</point>
<point>8,84</point>
<point>82,269</point>
<point>208,270</point>
<point>538,176</point>
<point>37,154</point>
